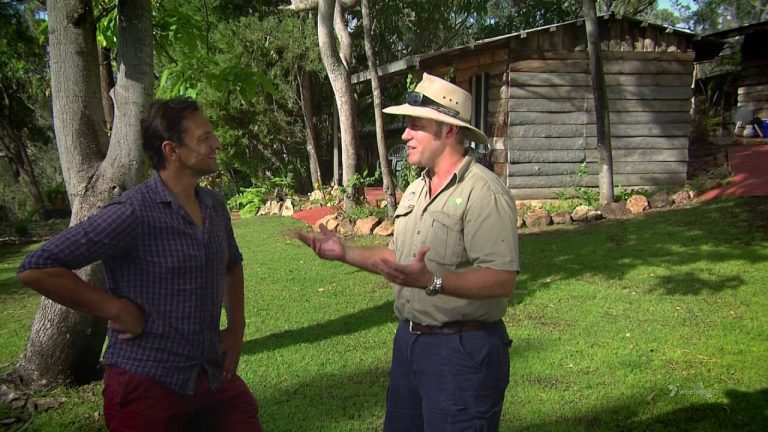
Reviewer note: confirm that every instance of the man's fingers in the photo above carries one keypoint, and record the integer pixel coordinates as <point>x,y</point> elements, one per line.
<point>307,240</point>
<point>422,253</point>
<point>325,231</point>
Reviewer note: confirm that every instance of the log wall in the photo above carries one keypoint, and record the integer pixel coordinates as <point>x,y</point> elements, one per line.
<point>541,108</point>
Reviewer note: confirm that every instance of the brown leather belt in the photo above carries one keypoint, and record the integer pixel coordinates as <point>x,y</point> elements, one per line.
<point>447,328</point>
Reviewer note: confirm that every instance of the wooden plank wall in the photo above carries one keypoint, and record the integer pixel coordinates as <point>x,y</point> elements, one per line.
<point>541,109</point>
<point>550,117</point>
<point>753,88</point>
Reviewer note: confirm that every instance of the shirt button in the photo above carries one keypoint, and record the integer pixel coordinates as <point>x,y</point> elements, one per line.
<point>413,255</point>
<point>418,232</point>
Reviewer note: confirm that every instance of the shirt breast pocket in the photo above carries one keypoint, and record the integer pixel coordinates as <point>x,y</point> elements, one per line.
<point>446,238</point>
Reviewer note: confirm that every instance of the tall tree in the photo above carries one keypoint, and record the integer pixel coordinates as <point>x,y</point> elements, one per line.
<point>381,143</point>
<point>64,345</point>
<point>21,87</point>
<point>310,125</point>
<point>706,16</point>
<point>341,82</point>
<point>600,93</point>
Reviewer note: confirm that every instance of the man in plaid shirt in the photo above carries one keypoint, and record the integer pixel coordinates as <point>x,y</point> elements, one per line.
<point>171,262</point>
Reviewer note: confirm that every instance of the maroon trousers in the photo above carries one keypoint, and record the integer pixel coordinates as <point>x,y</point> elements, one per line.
<point>136,403</point>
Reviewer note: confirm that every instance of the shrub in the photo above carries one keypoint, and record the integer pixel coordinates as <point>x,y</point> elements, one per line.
<point>360,211</point>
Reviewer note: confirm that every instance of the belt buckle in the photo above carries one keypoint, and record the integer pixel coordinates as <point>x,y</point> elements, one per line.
<point>410,328</point>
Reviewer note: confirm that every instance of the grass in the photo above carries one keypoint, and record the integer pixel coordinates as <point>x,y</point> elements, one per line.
<point>650,323</point>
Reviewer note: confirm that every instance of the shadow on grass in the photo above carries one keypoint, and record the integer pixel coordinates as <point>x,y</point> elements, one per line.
<point>721,231</point>
<point>744,411</point>
<point>350,400</point>
<point>344,325</point>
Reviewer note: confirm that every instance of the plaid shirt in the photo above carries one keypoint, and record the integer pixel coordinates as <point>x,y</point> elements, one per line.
<point>155,255</point>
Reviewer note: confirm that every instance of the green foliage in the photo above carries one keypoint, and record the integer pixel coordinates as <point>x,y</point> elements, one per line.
<point>706,16</point>
<point>55,192</point>
<point>359,211</point>
<point>566,205</point>
<point>249,200</point>
<point>584,195</point>
<point>407,175</point>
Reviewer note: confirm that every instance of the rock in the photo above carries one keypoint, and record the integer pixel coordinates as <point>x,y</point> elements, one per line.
<point>275,207</point>
<point>661,200</point>
<point>594,215</point>
<point>45,404</point>
<point>638,204</point>
<point>520,222</point>
<point>720,173</point>
<point>579,214</point>
<point>333,224</point>
<point>562,218</point>
<point>234,215</point>
<point>324,221</point>
<point>383,204</point>
<point>365,226</point>
<point>316,195</point>
<point>681,197</point>
<point>306,206</point>
<point>264,210</point>
<point>615,210</point>
<point>711,184</point>
<point>386,228</point>
<point>287,209</point>
<point>345,228</point>
<point>537,218</point>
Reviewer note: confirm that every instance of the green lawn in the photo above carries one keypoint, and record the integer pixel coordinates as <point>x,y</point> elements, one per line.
<point>652,323</point>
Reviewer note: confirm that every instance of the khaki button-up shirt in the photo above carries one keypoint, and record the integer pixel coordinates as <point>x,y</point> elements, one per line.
<point>470,223</point>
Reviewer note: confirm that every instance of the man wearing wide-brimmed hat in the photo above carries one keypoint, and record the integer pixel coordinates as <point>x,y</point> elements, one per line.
<point>453,263</point>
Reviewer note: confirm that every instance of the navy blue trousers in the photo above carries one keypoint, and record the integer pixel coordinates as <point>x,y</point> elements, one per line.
<point>447,383</point>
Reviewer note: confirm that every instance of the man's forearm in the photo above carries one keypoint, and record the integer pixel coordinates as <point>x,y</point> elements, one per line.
<point>480,283</point>
<point>367,258</point>
<point>234,298</point>
<point>65,288</point>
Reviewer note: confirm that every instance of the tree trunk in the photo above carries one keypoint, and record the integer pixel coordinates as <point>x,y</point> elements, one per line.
<point>64,346</point>
<point>310,125</point>
<point>381,142</point>
<point>107,80</point>
<point>342,34</point>
<point>602,115</point>
<point>306,5</point>
<point>15,149</point>
<point>342,88</point>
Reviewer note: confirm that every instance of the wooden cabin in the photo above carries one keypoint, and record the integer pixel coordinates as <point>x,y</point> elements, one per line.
<point>533,98</point>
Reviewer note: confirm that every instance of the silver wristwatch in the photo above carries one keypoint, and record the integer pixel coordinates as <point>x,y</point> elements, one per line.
<point>435,287</point>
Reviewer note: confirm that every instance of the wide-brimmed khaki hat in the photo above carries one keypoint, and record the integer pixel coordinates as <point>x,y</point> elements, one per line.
<point>437,99</point>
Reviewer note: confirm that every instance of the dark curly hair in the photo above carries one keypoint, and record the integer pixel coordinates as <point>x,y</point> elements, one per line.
<point>165,122</point>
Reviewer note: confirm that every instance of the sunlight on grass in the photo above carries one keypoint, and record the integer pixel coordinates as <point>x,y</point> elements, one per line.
<point>650,323</point>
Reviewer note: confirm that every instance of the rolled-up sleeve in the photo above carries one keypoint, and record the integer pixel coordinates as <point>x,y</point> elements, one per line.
<point>490,232</point>
<point>107,233</point>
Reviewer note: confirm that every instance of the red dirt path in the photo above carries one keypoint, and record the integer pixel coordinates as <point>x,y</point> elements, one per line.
<point>372,195</point>
<point>749,164</point>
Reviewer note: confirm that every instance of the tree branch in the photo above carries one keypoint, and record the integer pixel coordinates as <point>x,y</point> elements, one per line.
<point>307,5</point>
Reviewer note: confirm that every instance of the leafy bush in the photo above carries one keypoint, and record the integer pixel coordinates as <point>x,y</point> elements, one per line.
<point>361,211</point>
<point>584,195</point>
<point>406,176</point>
<point>621,193</point>
<point>566,205</point>
<point>248,201</point>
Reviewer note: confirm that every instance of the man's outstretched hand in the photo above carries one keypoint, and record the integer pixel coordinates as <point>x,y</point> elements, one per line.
<point>327,246</point>
<point>414,274</point>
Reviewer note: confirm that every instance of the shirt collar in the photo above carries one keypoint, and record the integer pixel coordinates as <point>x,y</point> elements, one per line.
<point>458,174</point>
<point>161,193</point>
